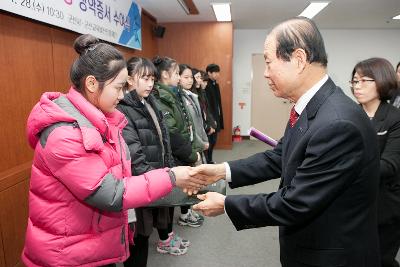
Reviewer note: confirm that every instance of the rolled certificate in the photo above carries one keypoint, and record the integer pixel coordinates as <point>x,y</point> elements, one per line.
<point>262,137</point>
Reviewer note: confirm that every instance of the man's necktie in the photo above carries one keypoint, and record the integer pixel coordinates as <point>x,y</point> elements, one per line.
<point>293,117</point>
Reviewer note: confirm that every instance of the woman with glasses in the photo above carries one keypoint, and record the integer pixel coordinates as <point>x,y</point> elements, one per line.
<point>395,101</point>
<point>373,82</point>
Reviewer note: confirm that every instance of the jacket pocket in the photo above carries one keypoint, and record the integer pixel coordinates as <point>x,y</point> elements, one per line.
<point>322,257</point>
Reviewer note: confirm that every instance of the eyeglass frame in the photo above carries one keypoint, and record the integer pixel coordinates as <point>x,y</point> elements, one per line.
<point>359,82</point>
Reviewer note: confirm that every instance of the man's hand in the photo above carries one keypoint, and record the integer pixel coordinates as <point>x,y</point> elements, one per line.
<point>212,204</point>
<point>189,184</point>
<point>208,173</point>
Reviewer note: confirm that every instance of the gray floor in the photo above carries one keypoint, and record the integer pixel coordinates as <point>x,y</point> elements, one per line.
<point>217,243</point>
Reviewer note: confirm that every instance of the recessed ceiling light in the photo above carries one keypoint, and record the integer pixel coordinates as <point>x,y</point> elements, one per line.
<point>222,11</point>
<point>184,6</point>
<point>396,17</point>
<point>313,9</point>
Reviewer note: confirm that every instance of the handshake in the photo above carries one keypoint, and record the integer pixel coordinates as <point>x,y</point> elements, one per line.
<point>192,179</point>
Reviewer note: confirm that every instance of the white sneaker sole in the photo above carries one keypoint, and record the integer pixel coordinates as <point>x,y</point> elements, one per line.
<point>183,252</point>
<point>188,224</point>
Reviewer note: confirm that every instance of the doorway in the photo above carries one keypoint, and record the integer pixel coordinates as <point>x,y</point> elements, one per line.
<point>269,114</point>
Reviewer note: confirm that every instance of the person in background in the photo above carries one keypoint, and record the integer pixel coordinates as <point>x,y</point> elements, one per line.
<point>215,106</point>
<point>81,184</point>
<point>200,80</point>
<point>177,119</point>
<point>373,81</point>
<point>200,142</point>
<point>395,99</point>
<point>191,101</point>
<point>148,141</point>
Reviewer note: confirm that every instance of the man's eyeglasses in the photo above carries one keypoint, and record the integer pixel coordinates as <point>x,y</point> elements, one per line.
<point>359,82</point>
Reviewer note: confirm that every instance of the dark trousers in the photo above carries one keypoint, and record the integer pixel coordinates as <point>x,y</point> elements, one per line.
<point>139,252</point>
<point>185,209</point>
<point>389,241</point>
<point>212,140</point>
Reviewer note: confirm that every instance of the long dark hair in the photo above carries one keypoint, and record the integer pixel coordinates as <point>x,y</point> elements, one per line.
<point>141,66</point>
<point>199,91</point>
<point>101,60</point>
<point>194,72</point>
<point>164,64</point>
<point>183,67</point>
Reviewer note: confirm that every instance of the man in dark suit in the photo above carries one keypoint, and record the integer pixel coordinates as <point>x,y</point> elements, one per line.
<point>328,161</point>
<point>213,95</point>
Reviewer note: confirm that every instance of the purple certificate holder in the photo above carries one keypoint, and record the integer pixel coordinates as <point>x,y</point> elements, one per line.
<point>262,137</point>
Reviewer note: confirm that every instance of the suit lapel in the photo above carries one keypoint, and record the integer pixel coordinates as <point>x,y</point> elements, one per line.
<point>319,98</point>
<point>293,135</point>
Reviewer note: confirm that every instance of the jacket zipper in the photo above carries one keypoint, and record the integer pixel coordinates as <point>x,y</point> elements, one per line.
<point>123,238</point>
<point>120,152</point>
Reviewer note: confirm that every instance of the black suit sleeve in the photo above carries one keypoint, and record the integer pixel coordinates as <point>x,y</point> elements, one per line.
<point>390,156</point>
<point>332,159</point>
<point>257,168</point>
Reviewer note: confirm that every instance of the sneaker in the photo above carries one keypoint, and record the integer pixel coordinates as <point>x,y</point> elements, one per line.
<point>189,220</point>
<point>180,240</point>
<point>170,246</point>
<point>196,215</point>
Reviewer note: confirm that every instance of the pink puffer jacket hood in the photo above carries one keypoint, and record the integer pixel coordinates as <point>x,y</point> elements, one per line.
<point>81,184</point>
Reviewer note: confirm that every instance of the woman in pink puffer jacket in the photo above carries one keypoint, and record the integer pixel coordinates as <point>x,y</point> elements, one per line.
<point>81,183</point>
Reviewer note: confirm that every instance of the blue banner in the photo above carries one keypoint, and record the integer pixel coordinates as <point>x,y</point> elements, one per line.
<point>116,21</point>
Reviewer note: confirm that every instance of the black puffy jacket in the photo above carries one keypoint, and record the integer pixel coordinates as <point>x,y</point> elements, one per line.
<point>142,137</point>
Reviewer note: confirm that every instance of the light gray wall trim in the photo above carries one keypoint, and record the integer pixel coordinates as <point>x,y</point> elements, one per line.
<point>108,196</point>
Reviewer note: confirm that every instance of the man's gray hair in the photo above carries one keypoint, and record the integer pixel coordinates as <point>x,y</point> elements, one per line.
<point>300,32</point>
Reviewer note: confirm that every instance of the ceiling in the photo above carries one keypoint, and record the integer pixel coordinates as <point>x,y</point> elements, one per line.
<point>263,14</point>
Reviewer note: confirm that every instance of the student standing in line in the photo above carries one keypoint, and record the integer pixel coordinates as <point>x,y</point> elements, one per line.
<point>147,138</point>
<point>189,217</point>
<point>81,184</point>
<point>179,123</point>
<point>191,102</point>
<point>214,99</point>
<point>373,81</point>
<point>200,80</point>
<point>200,143</point>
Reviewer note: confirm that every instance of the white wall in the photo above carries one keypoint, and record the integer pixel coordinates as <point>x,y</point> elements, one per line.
<point>344,47</point>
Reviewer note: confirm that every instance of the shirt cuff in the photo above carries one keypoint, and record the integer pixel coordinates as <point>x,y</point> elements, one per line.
<point>172,177</point>
<point>228,176</point>
<point>225,210</point>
